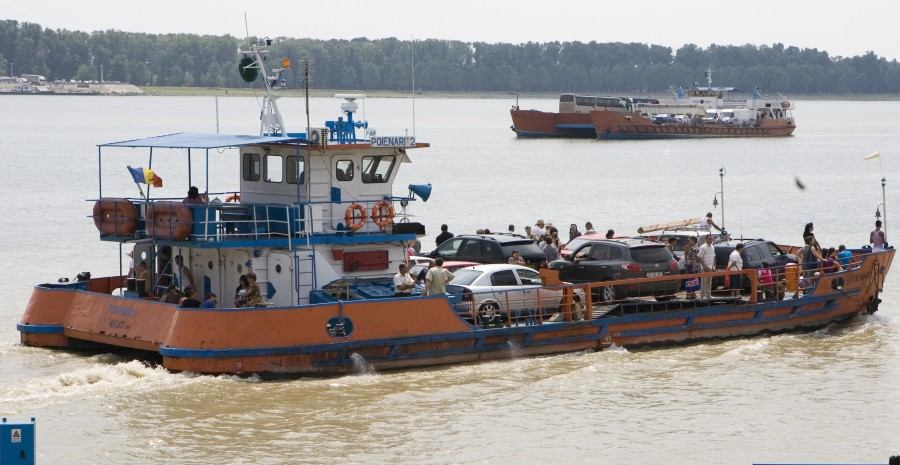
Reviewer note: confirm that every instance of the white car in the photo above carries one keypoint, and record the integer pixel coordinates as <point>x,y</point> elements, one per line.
<point>488,295</point>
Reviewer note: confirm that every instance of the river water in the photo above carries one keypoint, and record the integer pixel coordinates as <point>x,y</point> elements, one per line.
<point>826,396</point>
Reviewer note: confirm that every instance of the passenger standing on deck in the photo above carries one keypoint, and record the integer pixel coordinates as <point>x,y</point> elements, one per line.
<point>589,228</point>
<point>610,234</point>
<point>877,238</point>
<point>528,232</point>
<point>736,263</point>
<point>253,297</point>
<point>707,255</point>
<point>670,244</point>
<point>443,236</point>
<point>550,249</point>
<point>573,231</point>
<point>707,224</point>
<point>511,229</point>
<point>808,232</point>
<point>241,290</point>
<point>184,277</point>
<point>403,282</point>
<point>437,278</point>
<point>538,231</point>
<point>142,273</point>
<point>810,259</point>
<point>691,265</point>
<point>766,284</point>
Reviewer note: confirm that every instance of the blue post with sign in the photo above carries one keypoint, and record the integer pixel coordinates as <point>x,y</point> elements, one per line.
<point>17,443</point>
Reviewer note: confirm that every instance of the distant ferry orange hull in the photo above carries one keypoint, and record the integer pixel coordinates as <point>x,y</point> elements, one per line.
<point>617,125</point>
<point>534,123</point>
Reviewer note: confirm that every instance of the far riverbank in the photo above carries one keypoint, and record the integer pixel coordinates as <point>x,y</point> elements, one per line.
<point>244,92</point>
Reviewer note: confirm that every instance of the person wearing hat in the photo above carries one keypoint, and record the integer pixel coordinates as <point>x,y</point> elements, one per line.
<point>707,224</point>
<point>538,231</point>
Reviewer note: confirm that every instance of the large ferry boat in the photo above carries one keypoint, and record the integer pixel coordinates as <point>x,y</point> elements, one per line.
<point>317,221</point>
<point>696,112</point>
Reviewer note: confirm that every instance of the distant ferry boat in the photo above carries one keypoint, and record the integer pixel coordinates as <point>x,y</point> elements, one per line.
<point>693,113</point>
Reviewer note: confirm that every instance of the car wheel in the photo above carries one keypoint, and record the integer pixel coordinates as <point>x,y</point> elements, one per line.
<point>490,314</point>
<point>608,293</point>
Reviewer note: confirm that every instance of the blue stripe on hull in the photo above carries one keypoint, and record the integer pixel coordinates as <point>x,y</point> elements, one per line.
<point>522,336</point>
<point>39,329</point>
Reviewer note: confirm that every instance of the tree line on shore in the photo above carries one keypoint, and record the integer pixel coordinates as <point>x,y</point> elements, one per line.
<point>190,60</point>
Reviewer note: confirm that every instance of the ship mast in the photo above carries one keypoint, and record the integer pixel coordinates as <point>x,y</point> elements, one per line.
<point>252,63</point>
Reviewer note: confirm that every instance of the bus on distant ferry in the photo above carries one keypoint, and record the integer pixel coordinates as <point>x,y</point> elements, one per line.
<point>571,103</point>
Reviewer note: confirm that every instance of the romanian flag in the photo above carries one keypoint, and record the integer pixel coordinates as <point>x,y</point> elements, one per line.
<point>143,175</point>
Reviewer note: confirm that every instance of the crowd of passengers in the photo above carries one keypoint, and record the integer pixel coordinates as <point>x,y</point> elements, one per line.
<point>813,259</point>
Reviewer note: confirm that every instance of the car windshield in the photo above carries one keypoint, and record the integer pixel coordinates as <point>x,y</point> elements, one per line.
<point>526,248</point>
<point>575,243</point>
<point>465,276</point>
<point>653,254</point>
<point>680,241</point>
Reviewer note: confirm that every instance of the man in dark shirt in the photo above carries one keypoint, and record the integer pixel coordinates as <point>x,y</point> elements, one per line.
<point>443,236</point>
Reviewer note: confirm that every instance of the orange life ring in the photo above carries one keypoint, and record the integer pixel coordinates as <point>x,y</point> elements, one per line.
<point>383,213</point>
<point>169,221</point>
<point>236,197</point>
<point>115,217</point>
<point>355,216</point>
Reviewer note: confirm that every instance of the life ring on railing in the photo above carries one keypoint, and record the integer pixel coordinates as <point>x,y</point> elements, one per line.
<point>115,217</point>
<point>355,216</point>
<point>383,213</point>
<point>236,197</point>
<point>169,221</point>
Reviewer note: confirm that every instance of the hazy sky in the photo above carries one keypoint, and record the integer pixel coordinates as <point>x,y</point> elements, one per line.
<point>840,28</point>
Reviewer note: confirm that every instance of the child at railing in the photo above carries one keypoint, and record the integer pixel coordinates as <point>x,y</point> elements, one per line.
<point>766,284</point>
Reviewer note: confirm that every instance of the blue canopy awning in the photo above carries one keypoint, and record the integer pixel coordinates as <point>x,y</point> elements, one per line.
<point>196,140</point>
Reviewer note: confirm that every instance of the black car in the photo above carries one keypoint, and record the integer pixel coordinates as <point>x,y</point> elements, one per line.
<point>613,259</point>
<point>490,248</point>
<point>756,251</point>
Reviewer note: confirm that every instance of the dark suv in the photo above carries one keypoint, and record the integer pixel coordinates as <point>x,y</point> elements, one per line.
<point>490,248</point>
<point>755,252</point>
<point>613,259</point>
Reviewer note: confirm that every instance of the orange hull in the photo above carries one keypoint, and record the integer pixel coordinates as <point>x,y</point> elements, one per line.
<point>410,332</point>
<point>533,123</point>
<point>615,125</point>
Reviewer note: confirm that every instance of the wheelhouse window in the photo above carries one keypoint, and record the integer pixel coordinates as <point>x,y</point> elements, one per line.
<point>250,166</point>
<point>274,168</point>
<point>343,170</point>
<point>296,169</point>
<point>377,169</point>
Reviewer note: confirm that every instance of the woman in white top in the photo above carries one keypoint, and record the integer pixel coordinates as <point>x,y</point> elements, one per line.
<point>736,263</point>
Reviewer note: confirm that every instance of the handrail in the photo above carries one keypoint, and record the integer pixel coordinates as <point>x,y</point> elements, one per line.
<point>517,309</point>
